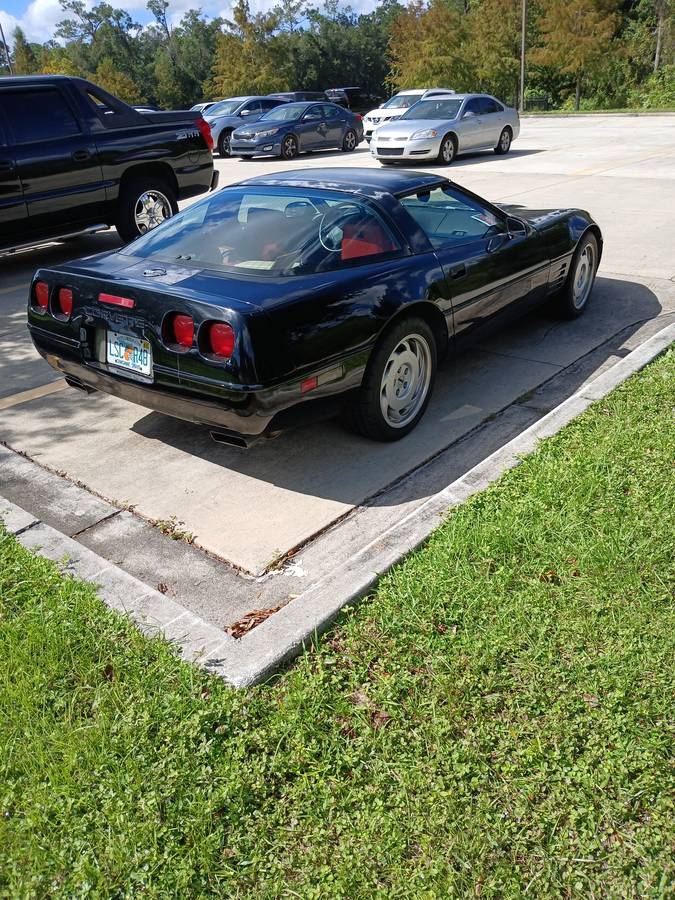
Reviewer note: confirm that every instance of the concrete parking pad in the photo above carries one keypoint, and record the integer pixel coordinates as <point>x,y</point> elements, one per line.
<point>251,507</point>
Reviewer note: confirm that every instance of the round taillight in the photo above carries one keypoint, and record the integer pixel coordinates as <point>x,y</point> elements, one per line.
<point>41,294</point>
<point>220,339</point>
<point>179,329</point>
<point>64,302</point>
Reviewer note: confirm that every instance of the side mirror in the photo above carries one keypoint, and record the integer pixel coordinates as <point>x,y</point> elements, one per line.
<point>469,114</point>
<point>517,227</point>
<point>246,112</point>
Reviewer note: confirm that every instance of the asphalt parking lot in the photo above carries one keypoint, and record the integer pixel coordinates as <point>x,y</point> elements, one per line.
<point>311,494</point>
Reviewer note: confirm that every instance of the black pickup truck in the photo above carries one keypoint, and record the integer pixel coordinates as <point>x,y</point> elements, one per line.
<point>75,159</point>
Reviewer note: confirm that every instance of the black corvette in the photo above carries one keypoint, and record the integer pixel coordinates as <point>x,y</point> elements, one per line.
<point>303,291</point>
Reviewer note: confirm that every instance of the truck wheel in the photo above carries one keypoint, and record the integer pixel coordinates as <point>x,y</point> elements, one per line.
<point>397,385</point>
<point>144,203</point>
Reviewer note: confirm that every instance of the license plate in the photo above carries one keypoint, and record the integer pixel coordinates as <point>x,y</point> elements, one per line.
<point>130,353</point>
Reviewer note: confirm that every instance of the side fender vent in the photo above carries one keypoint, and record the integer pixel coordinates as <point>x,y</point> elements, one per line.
<point>558,275</point>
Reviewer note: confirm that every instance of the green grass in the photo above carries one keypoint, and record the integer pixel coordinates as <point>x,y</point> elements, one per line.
<point>598,112</point>
<point>497,720</point>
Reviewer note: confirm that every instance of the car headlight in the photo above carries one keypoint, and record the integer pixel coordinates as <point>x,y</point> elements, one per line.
<point>427,133</point>
<point>268,133</point>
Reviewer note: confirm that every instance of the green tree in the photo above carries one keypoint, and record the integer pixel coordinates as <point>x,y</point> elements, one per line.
<point>25,59</point>
<point>575,35</point>
<point>116,82</point>
<point>429,46</point>
<point>248,55</point>
<point>493,35</point>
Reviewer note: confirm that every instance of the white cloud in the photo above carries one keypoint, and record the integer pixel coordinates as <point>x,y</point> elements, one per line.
<point>39,20</point>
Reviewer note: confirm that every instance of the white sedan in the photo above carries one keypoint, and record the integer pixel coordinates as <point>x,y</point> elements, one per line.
<point>439,128</point>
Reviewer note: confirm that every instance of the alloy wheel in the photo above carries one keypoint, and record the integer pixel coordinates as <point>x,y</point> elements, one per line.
<point>405,380</point>
<point>349,143</point>
<point>289,148</point>
<point>448,150</point>
<point>505,141</point>
<point>583,276</point>
<point>151,209</point>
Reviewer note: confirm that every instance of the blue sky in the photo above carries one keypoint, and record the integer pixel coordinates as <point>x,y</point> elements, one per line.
<point>38,18</point>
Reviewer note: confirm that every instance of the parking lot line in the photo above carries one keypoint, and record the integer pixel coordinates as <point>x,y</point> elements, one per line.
<point>32,394</point>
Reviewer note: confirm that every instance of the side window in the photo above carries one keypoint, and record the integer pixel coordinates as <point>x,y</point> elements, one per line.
<point>110,112</point>
<point>330,111</point>
<point>448,217</point>
<point>252,107</point>
<point>266,105</point>
<point>313,114</point>
<point>488,106</point>
<point>474,106</point>
<point>38,115</point>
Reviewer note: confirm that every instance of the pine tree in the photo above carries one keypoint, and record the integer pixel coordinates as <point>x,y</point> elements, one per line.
<point>25,60</point>
<point>575,35</point>
<point>428,46</point>
<point>116,82</point>
<point>247,56</point>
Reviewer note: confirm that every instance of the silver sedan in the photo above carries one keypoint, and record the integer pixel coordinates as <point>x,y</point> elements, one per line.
<point>439,128</point>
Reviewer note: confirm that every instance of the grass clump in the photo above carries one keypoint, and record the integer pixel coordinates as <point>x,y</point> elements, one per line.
<point>495,720</point>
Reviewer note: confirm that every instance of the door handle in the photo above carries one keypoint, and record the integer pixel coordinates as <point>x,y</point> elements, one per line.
<point>81,155</point>
<point>457,271</point>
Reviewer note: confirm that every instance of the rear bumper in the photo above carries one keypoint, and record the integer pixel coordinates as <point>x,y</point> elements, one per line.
<point>251,413</point>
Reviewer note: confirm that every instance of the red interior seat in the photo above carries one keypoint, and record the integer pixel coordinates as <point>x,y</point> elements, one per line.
<point>364,239</point>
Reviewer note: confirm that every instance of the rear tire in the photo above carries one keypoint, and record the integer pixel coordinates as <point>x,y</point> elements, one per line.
<point>398,382</point>
<point>573,298</point>
<point>504,142</point>
<point>144,203</point>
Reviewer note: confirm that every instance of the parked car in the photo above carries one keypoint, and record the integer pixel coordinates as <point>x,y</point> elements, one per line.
<point>202,107</point>
<point>82,160</point>
<point>225,116</point>
<point>296,128</point>
<point>438,128</point>
<point>298,96</point>
<point>396,106</point>
<point>354,98</point>
<point>299,293</point>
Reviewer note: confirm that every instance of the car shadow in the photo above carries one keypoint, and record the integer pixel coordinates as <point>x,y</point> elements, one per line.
<point>535,363</point>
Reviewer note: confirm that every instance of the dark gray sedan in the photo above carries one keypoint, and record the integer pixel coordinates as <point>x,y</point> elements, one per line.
<point>297,128</point>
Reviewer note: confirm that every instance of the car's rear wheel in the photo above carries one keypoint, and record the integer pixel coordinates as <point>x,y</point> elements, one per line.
<point>289,147</point>
<point>504,142</point>
<point>398,382</point>
<point>448,150</point>
<point>143,205</point>
<point>224,139</point>
<point>349,141</point>
<point>573,298</point>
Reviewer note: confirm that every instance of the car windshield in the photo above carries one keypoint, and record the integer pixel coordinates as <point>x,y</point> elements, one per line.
<point>271,231</point>
<point>400,101</point>
<point>225,108</point>
<point>433,109</point>
<point>286,113</point>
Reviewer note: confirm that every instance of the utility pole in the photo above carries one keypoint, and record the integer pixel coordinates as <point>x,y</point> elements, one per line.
<point>4,44</point>
<point>523,34</point>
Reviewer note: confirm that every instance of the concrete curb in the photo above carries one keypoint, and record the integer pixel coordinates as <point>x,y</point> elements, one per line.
<point>253,658</point>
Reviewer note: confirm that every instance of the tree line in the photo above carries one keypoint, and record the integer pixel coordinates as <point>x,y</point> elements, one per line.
<point>582,54</point>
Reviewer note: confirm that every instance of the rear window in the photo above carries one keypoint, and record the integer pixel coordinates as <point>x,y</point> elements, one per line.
<point>38,115</point>
<point>285,231</point>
